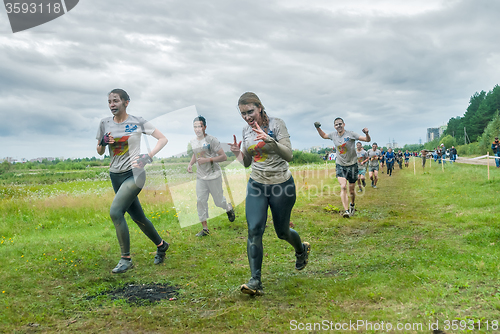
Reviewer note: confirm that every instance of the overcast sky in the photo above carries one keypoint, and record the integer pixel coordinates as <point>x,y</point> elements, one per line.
<point>396,67</point>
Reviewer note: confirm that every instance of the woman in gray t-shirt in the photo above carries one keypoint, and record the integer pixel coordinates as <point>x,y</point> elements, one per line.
<point>121,133</point>
<point>267,148</point>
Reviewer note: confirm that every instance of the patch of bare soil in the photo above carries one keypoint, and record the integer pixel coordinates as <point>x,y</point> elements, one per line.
<point>143,293</point>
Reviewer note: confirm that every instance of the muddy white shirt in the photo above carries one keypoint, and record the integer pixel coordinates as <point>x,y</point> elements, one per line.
<point>362,156</point>
<point>207,148</point>
<point>371,154</point>
<point>268,167</point>
<point>127,137</point>
<point>345,146</point>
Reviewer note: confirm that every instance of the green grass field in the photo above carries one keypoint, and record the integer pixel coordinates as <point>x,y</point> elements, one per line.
<point>421,252</point>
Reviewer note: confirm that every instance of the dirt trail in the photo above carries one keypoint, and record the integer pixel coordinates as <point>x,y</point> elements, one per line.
<point>475,161</point>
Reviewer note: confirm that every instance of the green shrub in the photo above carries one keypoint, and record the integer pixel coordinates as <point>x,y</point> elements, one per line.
<point>448,141</point>
<point>300,157</point>
<point>492,130</point>
<point>469,149</point>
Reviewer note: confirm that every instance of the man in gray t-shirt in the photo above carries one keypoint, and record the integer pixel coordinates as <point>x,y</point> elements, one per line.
<point>346,163</point>
<point>362,162</point>
<point>207,153</point>
<point>374,155</point>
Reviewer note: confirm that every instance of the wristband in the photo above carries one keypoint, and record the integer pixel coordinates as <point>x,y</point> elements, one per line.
<point>143,160</point>
<point>104,140</point>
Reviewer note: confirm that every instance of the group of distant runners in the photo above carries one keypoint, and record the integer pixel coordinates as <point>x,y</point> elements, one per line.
<point>352,161</point>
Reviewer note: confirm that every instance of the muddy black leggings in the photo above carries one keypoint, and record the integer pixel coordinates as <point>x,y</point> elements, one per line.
<point>390,167</point>
<point>280,198</point>
<point>127,186</point>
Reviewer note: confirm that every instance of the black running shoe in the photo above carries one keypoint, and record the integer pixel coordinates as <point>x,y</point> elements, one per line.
<point>303,258</point>
<point>160,252</point>
<point>346,214</point>
<point>230,215</point>
<point>253,287</point>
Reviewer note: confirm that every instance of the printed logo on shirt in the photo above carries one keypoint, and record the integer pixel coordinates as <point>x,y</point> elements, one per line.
<point>120,147</point>
<point>271,134</point>
<point>200,148</point>
<point>257,151</point>
<point>130,129</point>
<point>342,149</point>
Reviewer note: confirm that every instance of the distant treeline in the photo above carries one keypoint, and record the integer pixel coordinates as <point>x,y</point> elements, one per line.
<point>480,112</point>
<point>57,164</point>
<point>50,171</point>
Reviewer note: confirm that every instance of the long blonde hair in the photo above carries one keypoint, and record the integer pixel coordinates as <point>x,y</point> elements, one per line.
<point>248,98</point>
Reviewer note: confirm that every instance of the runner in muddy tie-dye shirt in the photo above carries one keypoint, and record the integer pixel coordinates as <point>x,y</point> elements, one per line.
<point>345,146</point>
<point>346,163</point>
<point>122,134</point>
<point>127,137</point>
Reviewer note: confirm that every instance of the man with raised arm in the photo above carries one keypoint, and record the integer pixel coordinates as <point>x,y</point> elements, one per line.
<point>346,163</point>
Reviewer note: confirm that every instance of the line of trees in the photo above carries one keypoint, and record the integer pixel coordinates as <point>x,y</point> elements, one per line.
<point>480,112</point>
<point>56,164</point>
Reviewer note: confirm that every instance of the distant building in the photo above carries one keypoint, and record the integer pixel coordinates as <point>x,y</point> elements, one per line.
<point>313,149</point>
<point>432,133</point>
<point>9,159</point>
<point>392,145</point>
<point>41,159</point>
